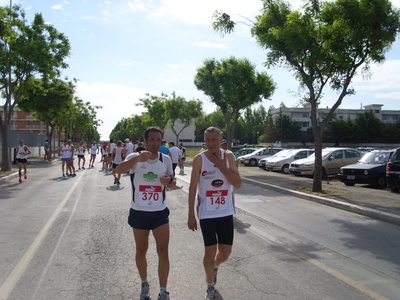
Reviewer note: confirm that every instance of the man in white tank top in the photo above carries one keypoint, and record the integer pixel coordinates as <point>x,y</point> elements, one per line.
<point>118,156</point>
<point>151,172</point>
<point>214,175</point>
<point>22,154</point>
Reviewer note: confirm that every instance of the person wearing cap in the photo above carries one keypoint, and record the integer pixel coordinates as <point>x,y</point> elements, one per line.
<point>224,145</point>
<point>128,147</point>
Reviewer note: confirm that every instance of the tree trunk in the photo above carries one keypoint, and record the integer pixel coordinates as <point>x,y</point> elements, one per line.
<point>5,164</point>
<point>317,181</point>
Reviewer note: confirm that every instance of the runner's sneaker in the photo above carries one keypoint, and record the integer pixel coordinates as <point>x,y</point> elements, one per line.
<point>25,176</point>
<point>215,274</point>
<point>115,180</point>
<point>163,296</point>
<point>118,183</point>
<point>210,294</point>
<point>145,292</point>
<point>83,168</point>
<point>73,175</point>
<point>20,180</point>
<point>63,175</point>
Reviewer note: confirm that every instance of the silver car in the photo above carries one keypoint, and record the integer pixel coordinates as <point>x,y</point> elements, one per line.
<point>282,160</point>
<point>253,158</point>
<point>332,160</point>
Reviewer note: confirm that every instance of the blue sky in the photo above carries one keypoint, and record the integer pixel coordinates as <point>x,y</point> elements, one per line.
<point>124,49</point>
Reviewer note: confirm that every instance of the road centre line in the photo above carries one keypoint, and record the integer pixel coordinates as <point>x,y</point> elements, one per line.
<point>355,284</point>
<point>12,279</point>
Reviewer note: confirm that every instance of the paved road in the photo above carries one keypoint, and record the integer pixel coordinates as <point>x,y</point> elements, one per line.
<point>68,239</point>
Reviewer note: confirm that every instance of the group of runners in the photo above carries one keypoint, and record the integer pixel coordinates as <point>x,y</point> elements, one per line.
<point>213,177</point>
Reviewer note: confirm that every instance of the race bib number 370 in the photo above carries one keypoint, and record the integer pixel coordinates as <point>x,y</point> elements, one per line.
<point>216,200</point>
<point>150,195</point>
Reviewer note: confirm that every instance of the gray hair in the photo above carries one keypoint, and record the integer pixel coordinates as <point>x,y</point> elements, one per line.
<point>212,130</point>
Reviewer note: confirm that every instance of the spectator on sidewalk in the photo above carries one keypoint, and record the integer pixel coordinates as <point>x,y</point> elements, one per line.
<point>47,151</point>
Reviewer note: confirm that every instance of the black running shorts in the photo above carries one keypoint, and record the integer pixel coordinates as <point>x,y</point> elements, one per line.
<point>217,231</point>
<point>148,220</point>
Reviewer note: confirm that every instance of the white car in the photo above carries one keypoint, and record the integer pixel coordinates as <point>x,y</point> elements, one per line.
<point>253,158</point>
<point>332,160</point>
<point>282,160</point>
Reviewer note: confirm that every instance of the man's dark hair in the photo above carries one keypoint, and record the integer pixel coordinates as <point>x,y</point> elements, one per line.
<point>150,129</point>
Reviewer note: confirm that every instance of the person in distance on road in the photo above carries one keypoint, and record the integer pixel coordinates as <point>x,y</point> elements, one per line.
<point>22,153</point>
<point>151,172</point>
<point>182,159</point>
<point>214,175</point>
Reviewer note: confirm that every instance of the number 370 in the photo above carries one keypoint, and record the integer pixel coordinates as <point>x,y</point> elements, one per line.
<point>150,196</point>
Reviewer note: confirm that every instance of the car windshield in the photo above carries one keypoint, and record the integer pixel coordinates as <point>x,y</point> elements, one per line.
<point>375,158</point>
<point>283,153</point>
<point>324,153</point>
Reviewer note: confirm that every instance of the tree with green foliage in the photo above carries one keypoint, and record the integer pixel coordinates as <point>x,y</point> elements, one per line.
<point>233,84</point>
<point>45,99</point>
<point>156,110</point>
<point>324,45</point>
<point>36,50</point>
<point>182,112</point>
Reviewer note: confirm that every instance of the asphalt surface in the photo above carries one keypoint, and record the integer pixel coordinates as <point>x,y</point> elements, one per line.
<point>381,204</point>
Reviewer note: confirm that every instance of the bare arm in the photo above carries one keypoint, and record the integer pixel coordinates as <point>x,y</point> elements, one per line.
<point>194,180</point>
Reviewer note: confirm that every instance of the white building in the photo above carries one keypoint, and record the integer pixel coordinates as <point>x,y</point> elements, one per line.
<point>302,114</point>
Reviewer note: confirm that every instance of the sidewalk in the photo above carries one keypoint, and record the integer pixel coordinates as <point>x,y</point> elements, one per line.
<point>375,203</point>
<point>33,163</point>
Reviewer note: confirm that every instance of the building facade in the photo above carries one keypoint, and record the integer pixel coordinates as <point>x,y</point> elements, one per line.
<point>302,115</point>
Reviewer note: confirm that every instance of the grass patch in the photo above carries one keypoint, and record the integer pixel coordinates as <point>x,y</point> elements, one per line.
<point>325,192</point>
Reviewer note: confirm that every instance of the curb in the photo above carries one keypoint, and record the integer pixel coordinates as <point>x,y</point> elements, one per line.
<point>369,212</point>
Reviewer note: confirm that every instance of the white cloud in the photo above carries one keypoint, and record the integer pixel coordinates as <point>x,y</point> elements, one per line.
<point>57,7</point>
<point>117,101</point>
<point>136,5</point>
<point>206,44</point>
<point>384,77</point>
<point>87,18</point>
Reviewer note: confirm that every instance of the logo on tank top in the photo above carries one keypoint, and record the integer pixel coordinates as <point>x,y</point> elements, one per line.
<point>205,173</point>
<point>150,176</point>
<point>217,183</point>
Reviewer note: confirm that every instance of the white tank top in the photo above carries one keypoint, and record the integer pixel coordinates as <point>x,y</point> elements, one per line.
<point>21,152</point>
<point>66,152</point>
<point>148,193</point>
<point>112,146</point>
<point>81,150</point>
<point>118,156</point>
<point>214,192</point>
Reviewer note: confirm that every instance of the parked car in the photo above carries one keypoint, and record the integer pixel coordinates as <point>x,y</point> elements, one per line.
<point>370,169</point>
<point>244,151</point>
<point>263,161</point>
<point>282,160</point>
<point>332,160</point>
<point>253,158</point>
<point>393,171</point>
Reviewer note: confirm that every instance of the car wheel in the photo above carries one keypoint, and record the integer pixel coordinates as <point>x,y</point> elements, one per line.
<point>285,169</point>
<point>349,184</point>
<point>394,190</point>
<point>381,182</point>
<point>323,173</point>
<point>253,162</point>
